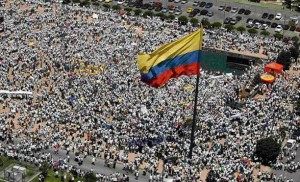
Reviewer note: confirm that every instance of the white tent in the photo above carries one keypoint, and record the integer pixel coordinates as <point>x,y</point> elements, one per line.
<point>95,16</point>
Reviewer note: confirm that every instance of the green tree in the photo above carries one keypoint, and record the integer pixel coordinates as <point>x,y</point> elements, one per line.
<point>278,36</point>
<point>86,2</point>
<point>267,150</point>
<point>137,12</point>
<point>44,169</point>
<point>107,6</point>
<point>171,17</point>
<point>76,1</point>
<point>128,10</point>
<point>252,31</point>
<point>148,13</point>
<point>229,27</point>
<point>116,7</point>
<point>183,20</point>
<point>205,23</point>
<point>241,29</point>
<point>211,176</point>
<point>295,39</point>
<point>217,25</point>
<point>96,4</point>
<point>160,14</point>
<point>194,21</point>
<point>265,33</point>
<point>90,177</point>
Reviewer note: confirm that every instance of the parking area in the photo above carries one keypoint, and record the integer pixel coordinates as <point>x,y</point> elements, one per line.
<point>238,14</point>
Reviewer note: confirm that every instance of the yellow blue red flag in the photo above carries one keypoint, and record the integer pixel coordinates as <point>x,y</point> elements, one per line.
<point>181,57</point>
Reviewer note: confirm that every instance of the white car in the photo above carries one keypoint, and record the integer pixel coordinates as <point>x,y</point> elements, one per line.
<point>234,10</point>
<point>120,2</point>
<point>178,12</point>
<point>183,1</point>
<point>290,143</point>
<point>278,28</point>
<point>278,16</point>
<point>264,26</point>
<point>176,1</point>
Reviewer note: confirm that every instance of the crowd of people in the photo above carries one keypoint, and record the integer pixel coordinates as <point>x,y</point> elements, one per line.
<point>87,97</point>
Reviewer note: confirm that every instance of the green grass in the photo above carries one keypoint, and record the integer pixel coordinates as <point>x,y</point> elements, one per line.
<point>51,177</point>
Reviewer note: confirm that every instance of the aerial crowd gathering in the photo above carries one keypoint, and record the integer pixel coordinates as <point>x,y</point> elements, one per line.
<point>87,98</point>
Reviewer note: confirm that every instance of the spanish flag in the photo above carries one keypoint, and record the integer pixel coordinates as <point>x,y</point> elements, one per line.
<point>181,57</point>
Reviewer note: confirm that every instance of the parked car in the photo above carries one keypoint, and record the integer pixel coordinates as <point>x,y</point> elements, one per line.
<point>298,28</point>
<point>227,20</point>
<point>241,11</point>
<point>176,1</point>
<point>202,4</point>
<point>165,10</point>
<point>183,1</point>
<point>278,16</point>
<point>228,8</point>
<point>178,12</point>
<point>120,2</point>
<point>233,21</point>
<point>271,17</point>
<point>265,15</point>
<point>189,10</point>
<point>250,24</point>
<point>158,8</point>
<point>278,28</point>
<point>210,14</point>
<point>268,23</point>
<point>247,12</point>
<point>146,6</point>
<point>209,5</point>
<point>195,3</point>
<point>221,8</point>
<point>292,28</point>
<point>257,25</point>
<point>285,27</point>
<point>264,26</point>
<point>194,12</point>
<point>234,10</point>
<point>249,19</point>
<point>238,18</point>
<point>274,25</point>
<point>203,12</point>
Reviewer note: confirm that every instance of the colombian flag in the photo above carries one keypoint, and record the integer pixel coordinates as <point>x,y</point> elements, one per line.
<point>181,57</point>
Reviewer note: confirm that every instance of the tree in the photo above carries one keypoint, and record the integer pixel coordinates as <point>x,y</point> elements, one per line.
<point>194,21</point>
<point>217,25</point>
<point>205,23</point>
<point>252,31</point>
<point>241,29</point>
<point>265,33</point>
<point>96,4</point>
<point>267,150</point>
<point>90,177</point>
<point>86,2</point>
<point>294,49</point>
<point>148,13</point>
<point>107,6</point>
<point>137,12</point>
<point>229,27</point>
<point>44,169</point>
<point>284,58</point>
<point>116,7</point>
<point>183,20</point>
<point>295,39</point>
<point>171,17</point>
<point>278,36</point>
<point>76,1</point>
<point>212,176</point>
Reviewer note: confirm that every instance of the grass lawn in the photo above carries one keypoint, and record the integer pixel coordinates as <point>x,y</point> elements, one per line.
<point>51,177</point>
<point>6,162</point>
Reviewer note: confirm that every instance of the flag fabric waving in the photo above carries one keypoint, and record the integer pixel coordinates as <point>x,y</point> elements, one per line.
<point>181,57</point>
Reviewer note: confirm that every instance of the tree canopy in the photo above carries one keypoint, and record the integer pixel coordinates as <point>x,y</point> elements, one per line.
<point>267,150</point>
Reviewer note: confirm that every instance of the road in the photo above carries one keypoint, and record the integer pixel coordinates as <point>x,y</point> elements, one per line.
<point>87,164</point>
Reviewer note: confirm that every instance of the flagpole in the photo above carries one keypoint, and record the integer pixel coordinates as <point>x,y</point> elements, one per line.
<point>194,118</point>
<point>195,109</point>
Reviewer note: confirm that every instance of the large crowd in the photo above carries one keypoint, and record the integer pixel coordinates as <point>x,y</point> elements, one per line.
<point>88,98</point>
